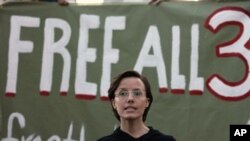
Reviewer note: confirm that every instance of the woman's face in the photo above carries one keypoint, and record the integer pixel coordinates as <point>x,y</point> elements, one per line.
<point>130,99</point>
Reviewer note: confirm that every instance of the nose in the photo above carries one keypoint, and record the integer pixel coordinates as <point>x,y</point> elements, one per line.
<point>130,98</point>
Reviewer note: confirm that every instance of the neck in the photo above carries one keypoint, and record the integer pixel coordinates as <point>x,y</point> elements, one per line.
<point>134,128</point>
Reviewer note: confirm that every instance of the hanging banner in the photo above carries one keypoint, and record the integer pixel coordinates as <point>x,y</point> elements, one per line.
<point>57,63</point>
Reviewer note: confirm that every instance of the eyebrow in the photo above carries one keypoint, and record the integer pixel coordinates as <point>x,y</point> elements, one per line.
<point>127,89</point>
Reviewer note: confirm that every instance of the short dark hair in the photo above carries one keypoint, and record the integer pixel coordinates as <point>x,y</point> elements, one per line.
<point>116,82</point>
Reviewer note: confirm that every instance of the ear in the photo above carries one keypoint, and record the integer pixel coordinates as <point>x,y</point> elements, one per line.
<point>113,103</point>
<point>147,102</point>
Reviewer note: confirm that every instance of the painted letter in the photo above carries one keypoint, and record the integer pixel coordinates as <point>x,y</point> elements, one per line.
<point>21,120</point>
<point>156,60</point>
<point>110,55</point>
<point>177,80</point>
<point>84,89</point>
<point>196,85</point>
<point>17,46</point>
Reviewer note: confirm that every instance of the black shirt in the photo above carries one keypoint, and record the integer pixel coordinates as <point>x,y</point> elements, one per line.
<point>152,135</point>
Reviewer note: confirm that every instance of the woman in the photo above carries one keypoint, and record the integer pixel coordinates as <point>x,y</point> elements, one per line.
<point>131,97</point>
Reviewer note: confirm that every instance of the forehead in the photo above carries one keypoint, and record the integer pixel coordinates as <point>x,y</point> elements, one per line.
<point>131,83</point>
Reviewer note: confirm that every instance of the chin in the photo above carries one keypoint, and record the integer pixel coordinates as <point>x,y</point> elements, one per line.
<point>131,117</point>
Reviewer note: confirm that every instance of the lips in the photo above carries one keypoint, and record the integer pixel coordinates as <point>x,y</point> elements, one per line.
<point>130,108</point>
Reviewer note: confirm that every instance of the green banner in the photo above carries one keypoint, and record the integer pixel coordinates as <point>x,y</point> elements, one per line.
<point>57,63</point>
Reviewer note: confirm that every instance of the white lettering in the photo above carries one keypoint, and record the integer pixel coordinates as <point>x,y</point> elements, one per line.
<point>240,132</point>
<point>21,120</point>
<point>237,132</point>
<point>146,59</point>
<point>50,48</point>
<point>83,88</point>
<point>17,46</point>
<point>196,85</point>
<point>216,84</point>
<point>110,55</point>
<point>177,80</point>
<point>243,131</point>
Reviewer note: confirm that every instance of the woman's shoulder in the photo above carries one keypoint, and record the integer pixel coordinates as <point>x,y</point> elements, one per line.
<point>107,138</point>
<point>156,135</point>
<point>111,137</point>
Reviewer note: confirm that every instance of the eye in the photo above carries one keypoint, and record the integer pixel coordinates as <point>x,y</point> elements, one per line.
<point>123,93</point>
<point>137,93</point>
